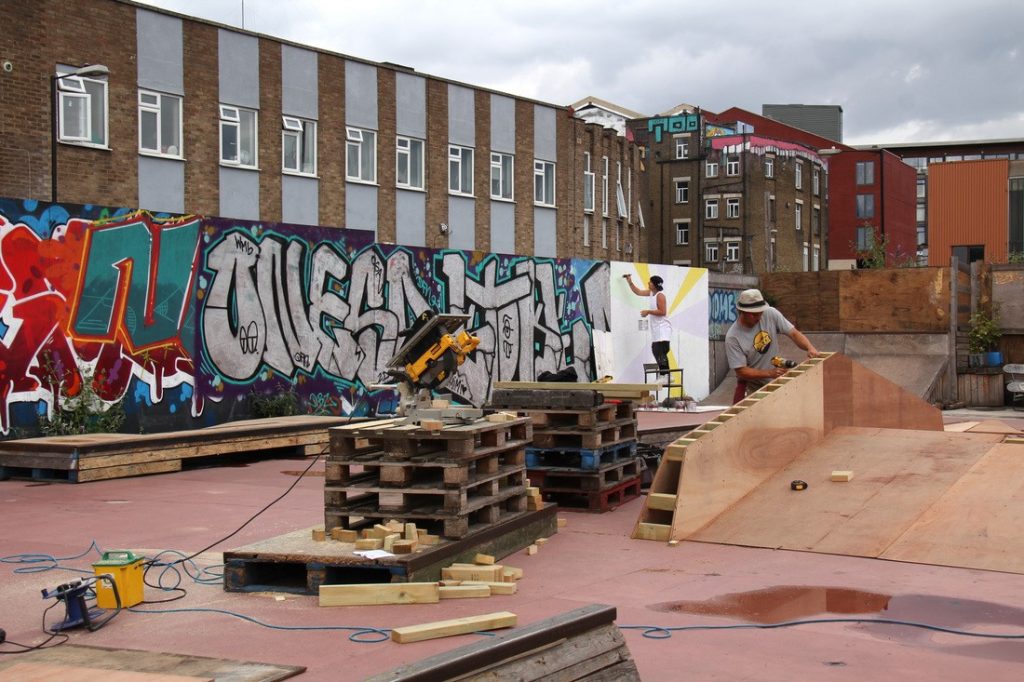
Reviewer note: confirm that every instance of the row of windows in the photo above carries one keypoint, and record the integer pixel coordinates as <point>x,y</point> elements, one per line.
<point>83,106</point>
<point>732,207</point>
<point>732,168</point>
<point>623,199</point>
<point>604,234</point>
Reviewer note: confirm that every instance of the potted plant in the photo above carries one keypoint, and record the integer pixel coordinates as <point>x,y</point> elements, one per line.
<point>983,339</point>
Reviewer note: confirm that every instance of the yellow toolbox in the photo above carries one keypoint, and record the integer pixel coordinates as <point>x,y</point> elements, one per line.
<point>127,570</point>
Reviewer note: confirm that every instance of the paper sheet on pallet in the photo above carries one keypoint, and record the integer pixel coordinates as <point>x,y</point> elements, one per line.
<point>729,480</point>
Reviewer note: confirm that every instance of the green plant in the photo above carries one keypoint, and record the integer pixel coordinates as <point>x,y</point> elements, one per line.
<point>78,409</point>
<point>283,403</point>
<point>985,333</point>
<point>1016,257</point>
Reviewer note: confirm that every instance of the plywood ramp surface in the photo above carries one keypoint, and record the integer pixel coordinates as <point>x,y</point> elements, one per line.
<point>977,522</point>
<point>987,426</point>
<point>898,474</point>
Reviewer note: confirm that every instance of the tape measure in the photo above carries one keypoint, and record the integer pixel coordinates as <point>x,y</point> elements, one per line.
<point>798,485</point>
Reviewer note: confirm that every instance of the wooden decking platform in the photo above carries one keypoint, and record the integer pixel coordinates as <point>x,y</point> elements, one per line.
<point>98,456</point>
<point>294,562</point>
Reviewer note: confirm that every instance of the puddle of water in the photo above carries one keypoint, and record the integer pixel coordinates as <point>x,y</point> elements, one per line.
<point>783,603</point>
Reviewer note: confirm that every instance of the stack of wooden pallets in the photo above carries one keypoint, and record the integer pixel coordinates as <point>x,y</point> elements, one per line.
<point>583,454</point>
<point>450,480</point>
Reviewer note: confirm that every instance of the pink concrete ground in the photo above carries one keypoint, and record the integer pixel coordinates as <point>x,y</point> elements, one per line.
<point>591,560</point>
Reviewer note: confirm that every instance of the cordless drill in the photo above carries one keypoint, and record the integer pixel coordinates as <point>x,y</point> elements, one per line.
<point>783,363</point>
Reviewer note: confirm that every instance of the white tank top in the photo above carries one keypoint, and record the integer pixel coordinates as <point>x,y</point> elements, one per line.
<point>661,329</point>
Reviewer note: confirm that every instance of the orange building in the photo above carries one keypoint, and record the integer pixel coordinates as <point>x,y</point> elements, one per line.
<point>969,210</point>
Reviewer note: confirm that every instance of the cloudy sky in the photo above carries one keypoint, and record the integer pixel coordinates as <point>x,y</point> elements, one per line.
<point>903,70</point>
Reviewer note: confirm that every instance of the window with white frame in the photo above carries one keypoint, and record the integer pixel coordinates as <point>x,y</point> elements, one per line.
<point>769,166</point>
<point>682,147</point>
<point>798,180</point>
<point>604,188</point>
<point>586,229</point>
<point>298,145</point>
<point>620,197</point>
<point>771,209</point>
<point>711,169</point>
<point>711,209</point>
<point>732,252</point>
<point>618,236</point>
<point>543,183</point>
<point>682,191</point>
<point>865,205</point>
<point>711,252</point>
<point>460,170</point>
<point>807,257</point>
<point>816,182</point>
<point>816,258</point>
<point>82,103</point>
<point>865,172</point>
<point>238,136</point>
<point>732,165</point>
<point>361,155</point>
<point>160,124</point>
<point>604,233</point>
<point>502,166</point>
<point>629,196</point>
<point>815,220</point>
<point>798,216</point>
<point>409,163</point>
<point>682,232</point>
<point>588,184</point>
<point>732,208</point>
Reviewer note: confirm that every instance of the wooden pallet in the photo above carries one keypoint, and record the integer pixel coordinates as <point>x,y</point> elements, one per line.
<point>579,458</point>
<point>597,501</point>
<point>608,433</point>
<point>580,418</point>
<point>449,480</point>
<point>99,456</point>
<point>397,439</point>
<point>294,562</point>
<point>560,480</point>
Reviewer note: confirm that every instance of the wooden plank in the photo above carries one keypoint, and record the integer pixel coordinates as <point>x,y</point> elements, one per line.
<point>900,473</point>
<point>652,531</point>
<point>47,672</point>
<point>455,626</point>
<point>379,593</point>
<point>661,501</point>
<point>465,591</point>
<point>976,523</point>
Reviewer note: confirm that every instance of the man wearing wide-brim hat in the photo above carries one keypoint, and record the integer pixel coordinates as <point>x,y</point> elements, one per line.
<point>751,342</point>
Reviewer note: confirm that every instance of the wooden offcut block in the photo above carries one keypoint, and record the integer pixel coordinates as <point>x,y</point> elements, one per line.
<point>411,532</point>
<point>511,573</point>
<point>369,543</point>
<point>389,542</point>
<point>427,539</point>
<point>483,559</point>
<point>842,476</point>
<point>531,550</point>
<point>471,572</point>
<point>344,535</point>
<point>496,588</point>
<point>431,424</point>
<point>499,417</point>
<point>404,546</point>
<point>540,541</point>
<point>562,522</point>
<point>319,535</point>
<point>456,626</point>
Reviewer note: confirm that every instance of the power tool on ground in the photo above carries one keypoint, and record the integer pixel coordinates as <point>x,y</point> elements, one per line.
<point>77,611</point>
<point>433,350</point>
<point>783,363</point>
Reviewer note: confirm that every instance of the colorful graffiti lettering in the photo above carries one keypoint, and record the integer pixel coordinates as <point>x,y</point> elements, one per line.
<point>672,124</point>
<point>721,312</point>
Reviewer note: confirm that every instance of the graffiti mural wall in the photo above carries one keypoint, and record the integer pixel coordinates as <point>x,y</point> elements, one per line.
<point>179,320</point>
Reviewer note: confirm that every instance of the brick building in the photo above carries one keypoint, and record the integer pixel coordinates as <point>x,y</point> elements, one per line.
<point>195,117</point>
<point>731,199</point>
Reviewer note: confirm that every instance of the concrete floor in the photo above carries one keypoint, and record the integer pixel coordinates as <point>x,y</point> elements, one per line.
<point>591,560</point>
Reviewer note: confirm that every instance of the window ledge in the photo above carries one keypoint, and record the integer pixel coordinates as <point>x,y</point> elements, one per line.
<point>461,194</point>
<point>235,166</point>
<point>503,200</point>
<point>357,181</point>
<point>539,205</point>
<point>296,174</point>
<point>410,188</point>
<point>165,157</point>
<point>86,145</point>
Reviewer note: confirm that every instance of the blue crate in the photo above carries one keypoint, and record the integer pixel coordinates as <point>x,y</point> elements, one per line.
<point>578,458</point>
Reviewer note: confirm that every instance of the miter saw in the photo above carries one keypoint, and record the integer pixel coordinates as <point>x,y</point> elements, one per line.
<point>426,361</point>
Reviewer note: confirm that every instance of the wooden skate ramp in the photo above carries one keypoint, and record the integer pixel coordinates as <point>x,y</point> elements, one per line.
<point>729,481</point>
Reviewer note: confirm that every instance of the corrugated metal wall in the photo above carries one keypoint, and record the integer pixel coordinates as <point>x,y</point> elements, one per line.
<point>968,205</point>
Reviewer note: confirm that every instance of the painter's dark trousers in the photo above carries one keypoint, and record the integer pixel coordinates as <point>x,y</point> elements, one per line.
<point>660,351</point>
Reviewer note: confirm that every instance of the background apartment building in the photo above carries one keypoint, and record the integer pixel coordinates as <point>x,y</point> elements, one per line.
<point>725,197</point>
<point>187,116</point>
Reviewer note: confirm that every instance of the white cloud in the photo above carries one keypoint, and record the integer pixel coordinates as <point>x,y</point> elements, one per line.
<point>915,69</point>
